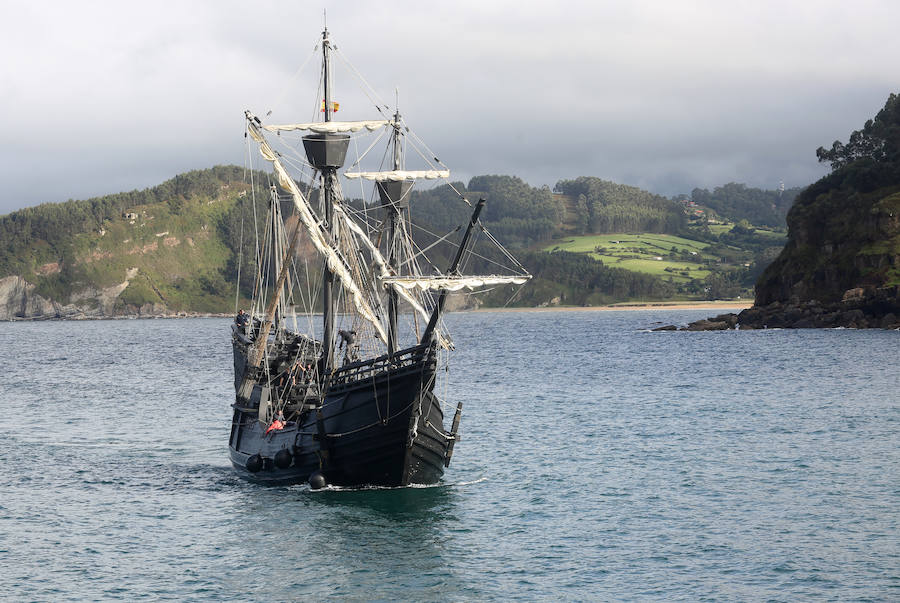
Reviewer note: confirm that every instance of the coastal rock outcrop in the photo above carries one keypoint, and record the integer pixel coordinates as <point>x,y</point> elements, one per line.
<point>879,309</point>
<point>873,309</point>
<point>19,301</point>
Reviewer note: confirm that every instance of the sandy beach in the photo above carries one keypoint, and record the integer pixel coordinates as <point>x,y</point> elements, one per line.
<point>723,306</point>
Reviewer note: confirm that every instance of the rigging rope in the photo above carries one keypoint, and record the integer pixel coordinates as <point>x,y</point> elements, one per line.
<point>356,72</point>
<point>280,98</point>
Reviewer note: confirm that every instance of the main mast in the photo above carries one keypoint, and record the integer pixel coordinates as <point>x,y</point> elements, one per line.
<point>326,152</point>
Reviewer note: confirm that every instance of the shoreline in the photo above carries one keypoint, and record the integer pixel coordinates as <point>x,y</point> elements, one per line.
<point>711,305</point>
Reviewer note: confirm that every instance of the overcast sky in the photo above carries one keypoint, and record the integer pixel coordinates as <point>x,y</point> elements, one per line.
<point>102,97</point>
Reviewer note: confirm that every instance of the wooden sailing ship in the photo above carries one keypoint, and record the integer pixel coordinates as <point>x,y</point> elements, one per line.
<point>354,402</point>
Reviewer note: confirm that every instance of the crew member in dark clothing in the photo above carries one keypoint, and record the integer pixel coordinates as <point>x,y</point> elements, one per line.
<point>241,319</point>
<point>348,345</point>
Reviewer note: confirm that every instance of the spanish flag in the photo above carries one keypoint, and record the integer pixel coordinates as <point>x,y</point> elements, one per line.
<point>334,107</point>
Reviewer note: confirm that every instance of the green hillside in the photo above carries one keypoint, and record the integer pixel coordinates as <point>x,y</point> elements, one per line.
<point>166,242</point>
<point>174,247</point>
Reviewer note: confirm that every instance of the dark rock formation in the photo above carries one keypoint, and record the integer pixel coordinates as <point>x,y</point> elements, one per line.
<point>722,322</point>
<point>876,309</point>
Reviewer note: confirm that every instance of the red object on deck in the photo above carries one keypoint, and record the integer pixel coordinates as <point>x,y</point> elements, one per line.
<point>276,424</point>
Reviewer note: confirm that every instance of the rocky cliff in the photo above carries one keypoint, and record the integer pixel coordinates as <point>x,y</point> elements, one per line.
<point>19,300</point>
<point>841,245</point>
<point>841,264</point>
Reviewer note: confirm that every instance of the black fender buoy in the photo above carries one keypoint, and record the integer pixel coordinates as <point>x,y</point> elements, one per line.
<point>317,480</point>
<point>254,463</point>
<point>283,458</point>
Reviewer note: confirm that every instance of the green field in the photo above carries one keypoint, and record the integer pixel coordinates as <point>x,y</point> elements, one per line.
<point>718,229</point>
<point>658,254</point>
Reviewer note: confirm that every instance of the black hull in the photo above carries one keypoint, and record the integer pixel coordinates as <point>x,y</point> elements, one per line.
<point>377,425</point>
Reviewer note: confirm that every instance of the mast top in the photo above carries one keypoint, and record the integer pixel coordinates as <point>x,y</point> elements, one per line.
<point>326,72</point>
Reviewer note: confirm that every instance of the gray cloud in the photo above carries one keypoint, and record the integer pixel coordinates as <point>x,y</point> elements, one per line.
<point>107,96</point>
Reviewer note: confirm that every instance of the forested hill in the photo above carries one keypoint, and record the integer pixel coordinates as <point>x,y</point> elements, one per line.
<point>606,207</point>
<point>516,212</point>
<point>737,202</point>
<point>522,215</point>
<point>46,233</point>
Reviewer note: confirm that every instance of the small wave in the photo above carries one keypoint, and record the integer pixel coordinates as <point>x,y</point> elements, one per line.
<point>333,488</point>
<point>477,481</point>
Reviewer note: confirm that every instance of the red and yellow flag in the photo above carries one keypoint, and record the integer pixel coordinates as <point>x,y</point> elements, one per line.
<point>334,107</point>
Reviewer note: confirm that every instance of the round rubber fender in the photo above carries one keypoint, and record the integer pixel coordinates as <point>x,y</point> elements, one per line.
<point>254,463</point>
<point>283,458</point>
<point>317,480</point>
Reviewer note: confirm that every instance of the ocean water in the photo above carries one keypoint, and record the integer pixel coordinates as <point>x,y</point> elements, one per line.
<point>599,461</point>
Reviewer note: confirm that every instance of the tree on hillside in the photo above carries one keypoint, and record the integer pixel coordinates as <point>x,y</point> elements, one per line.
<point>879,140</point>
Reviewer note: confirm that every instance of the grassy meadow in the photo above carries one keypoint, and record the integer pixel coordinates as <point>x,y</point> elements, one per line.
<point>658,254</point>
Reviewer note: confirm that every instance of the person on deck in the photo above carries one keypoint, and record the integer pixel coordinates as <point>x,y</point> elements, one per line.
<point>348,345</point>
<point>242,319</point>
<point>285,380</point>
<point>301,373</point>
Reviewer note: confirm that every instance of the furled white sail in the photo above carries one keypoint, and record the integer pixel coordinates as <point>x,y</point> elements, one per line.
<point>399,175</point>
<point>330,127</point>
<point>384,272</point>
<point>335,264</point>
<point>452,283</point>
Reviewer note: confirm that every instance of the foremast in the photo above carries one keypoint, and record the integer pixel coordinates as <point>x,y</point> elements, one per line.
<point>428,337</point>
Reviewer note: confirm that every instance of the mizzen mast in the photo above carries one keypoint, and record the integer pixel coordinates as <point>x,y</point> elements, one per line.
<point>395,197</point>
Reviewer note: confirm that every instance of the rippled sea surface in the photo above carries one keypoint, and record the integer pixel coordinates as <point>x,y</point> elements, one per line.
<point>599,461</point>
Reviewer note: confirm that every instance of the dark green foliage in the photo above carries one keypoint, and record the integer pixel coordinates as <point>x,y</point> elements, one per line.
<point>44,233</point>
<point>238,229</point>
<point>878,141</point>
<point>739,202</point>
<point>607,207</point>
<point>723,284</point>
<point>516,213</point>
<point>440,208</point>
